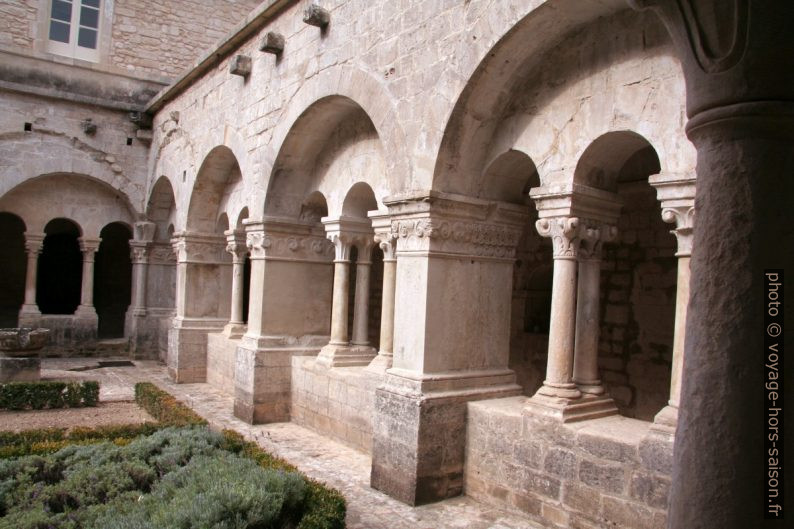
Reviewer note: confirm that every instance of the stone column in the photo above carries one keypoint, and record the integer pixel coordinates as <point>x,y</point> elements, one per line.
<point>29,313</point>
<point>236,245</point>
<point>677,196</point>
<point>740,104</point>
<point>565,235</point>
<point>139,253</point>
<point>386,241</point>
<point>86,308</point>
<point>345,233</point>
<point>588,322</point>
<point>361,309</point>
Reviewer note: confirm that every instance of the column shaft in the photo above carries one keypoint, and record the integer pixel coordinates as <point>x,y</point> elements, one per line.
<point>361,310</point>
<point>387,308</point>
<point>558,381</point>
<point>340,306</point>
<point>585,365</point>
<point>237,291</point>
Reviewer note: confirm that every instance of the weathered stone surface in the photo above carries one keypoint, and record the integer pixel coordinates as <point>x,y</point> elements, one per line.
<point>603,476</point>
<point>652,489</point>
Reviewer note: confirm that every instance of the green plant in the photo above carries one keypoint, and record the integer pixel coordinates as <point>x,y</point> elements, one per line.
<point>40,395</point>
<point>164,407</point>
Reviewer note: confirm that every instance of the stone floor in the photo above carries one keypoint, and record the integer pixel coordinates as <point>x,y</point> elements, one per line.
<point>321,458</point>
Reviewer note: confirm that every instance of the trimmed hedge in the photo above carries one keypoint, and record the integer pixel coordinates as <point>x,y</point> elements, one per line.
<point>41,395</point>
<point>164,407</point>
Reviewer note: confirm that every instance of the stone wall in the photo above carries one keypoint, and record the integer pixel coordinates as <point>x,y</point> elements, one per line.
<point>220,362</point>
<point>612,472</point>
<point>19,20</point>
<point>148,38</point>
<point>638,285</point>
<point>335,402</point>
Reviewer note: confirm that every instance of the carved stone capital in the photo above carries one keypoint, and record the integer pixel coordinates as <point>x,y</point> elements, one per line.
<point>139,252</point>
<point>343,245</point>
<point>387,242</point>
<point>593,236</point>
<point>34,243</point>
<point>236,245</point>
<point>89,247</point>
<point>684,219</point>
<point>565,234</point>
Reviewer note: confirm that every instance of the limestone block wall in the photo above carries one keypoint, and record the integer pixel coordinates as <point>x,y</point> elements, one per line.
<point>146,38</point>
<point>612,472</point>
<point>335,402</point>
<point>638,285</point>
<point>220,362</point>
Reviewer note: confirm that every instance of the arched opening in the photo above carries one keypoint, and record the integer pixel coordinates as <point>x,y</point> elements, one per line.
<point>59,276</point>
<point>246,268</point>
<point>113,280</point>
<point>638,276</point>
<point>13,265</point>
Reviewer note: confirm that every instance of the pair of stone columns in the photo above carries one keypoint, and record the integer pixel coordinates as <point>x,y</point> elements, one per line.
<point>346,233</point>
<point>572,389</point>
<point>34,245</point>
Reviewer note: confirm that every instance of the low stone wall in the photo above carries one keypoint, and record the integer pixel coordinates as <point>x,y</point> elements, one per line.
<point>69,335</point>
<point>336,402</point>
<point>220,362</point>
<point>611,472</point>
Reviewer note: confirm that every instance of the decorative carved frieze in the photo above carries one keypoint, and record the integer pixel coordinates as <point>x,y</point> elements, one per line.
<point>200,249</point>
<point>139,252</point>
<point>283,246</point>
<point>456,237</point>
<point>161,254</point>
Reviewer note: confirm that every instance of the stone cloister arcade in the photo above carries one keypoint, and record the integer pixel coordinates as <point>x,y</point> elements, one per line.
<point>479,274</point>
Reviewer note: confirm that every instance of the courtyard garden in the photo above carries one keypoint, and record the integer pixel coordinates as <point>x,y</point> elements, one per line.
<point>171,471</point>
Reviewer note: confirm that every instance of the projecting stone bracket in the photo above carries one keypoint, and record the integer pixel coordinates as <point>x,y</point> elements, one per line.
<point>315,15</point>
<point>272,43</point>
<point>240,65</point>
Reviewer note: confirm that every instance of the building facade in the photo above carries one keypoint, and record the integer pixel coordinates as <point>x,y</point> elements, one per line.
<point>453,235</point>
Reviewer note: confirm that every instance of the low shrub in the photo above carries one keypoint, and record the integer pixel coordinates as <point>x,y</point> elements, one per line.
<point>164,407</point>
<point>41,395</point>
<point>174,478</point>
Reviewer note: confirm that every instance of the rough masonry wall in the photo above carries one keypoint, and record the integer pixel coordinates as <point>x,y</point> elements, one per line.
<point>19,19</point>
<point>164,38</point>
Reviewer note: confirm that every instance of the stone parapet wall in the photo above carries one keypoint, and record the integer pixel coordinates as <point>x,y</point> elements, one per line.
<point>613,472</point>
<point>220,362</point>
<point>335,402</point>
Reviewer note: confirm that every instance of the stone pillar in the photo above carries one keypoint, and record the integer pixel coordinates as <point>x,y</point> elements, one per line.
<point>740,103</point>
<point>361,309</point>
<point>346,232</point>
<point>86,309</point>
<point>201,303</point>
<point>588,321</point>
<point>576,218</point>
<point>289,314</point>
<point>29,314</point>
<point>139,255</point>
<point>564,233</point>
<point>236,245</point>
<point>677,196</point>
<point>386,241</point>
<point>452,315</point>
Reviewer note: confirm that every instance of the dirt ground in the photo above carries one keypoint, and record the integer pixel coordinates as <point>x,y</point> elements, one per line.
<point>105,413</point>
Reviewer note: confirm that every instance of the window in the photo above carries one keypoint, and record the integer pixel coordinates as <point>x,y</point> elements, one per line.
<point>74,28</point>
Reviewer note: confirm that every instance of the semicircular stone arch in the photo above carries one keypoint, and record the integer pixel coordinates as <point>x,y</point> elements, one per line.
<point>84,200</point>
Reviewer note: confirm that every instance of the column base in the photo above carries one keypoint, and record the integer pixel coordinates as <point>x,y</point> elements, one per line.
<point>345,355</point>
<point>19,369</point>
<point>570,410</point>
<point>419,430</point>
<point>86,312</point>
<point>666,421</point>
<point>29,316</point>
<point>561,391</point>
<point>380,363</point>
<point>235,330</point>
